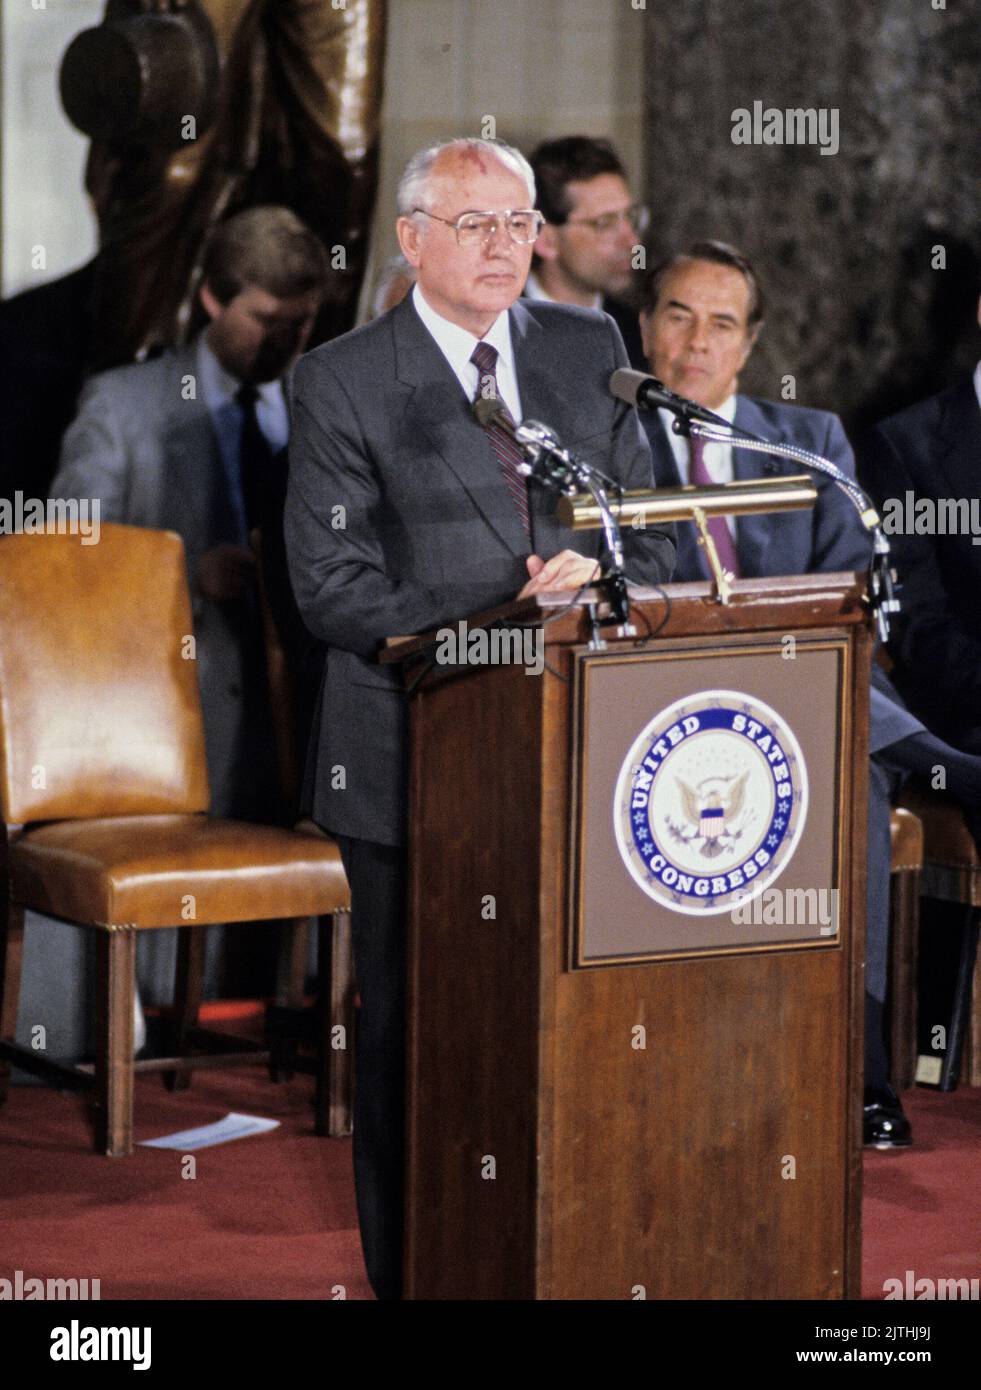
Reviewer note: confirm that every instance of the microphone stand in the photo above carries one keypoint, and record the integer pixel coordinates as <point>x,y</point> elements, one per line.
<point>694,422</point>
<point>552,466</point>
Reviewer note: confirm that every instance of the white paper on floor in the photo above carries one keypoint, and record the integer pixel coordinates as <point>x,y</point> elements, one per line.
<point>233,1126</point>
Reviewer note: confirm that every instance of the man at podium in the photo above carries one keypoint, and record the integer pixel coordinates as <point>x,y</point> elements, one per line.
<point>403,514</point>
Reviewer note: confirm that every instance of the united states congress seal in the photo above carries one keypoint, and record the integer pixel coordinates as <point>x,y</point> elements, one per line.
<point>710,802</point>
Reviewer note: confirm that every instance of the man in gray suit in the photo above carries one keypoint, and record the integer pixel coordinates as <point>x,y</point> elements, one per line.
<point>404,513</point>
<point>703,310</point>
<point>171,443</point>
<point>188,441</point>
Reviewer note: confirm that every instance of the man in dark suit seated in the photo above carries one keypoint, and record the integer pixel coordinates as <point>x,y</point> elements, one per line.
<point>584,253</point>
<point>703,311</point>
<point>912,464</point>
<point>403,514</point>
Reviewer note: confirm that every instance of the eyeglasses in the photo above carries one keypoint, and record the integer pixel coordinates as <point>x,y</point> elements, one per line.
<point>474,228</point>
<point>637,218</point>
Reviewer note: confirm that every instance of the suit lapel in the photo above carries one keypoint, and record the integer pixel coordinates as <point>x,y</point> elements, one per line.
<point>959,441</point>
<point>664,466</point>
<point>690,561</point>
<point>437,410</point>
<point>542,399</point>
<point>753,533</point>
<point>194,490</point>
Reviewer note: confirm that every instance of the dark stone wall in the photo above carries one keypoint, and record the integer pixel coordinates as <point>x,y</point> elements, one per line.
<point>843,242</point>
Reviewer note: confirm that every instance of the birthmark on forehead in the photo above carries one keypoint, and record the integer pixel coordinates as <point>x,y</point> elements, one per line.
<point>473,161</point>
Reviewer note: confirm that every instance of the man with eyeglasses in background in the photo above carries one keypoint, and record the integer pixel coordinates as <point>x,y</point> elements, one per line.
<point>404,514</point>
<point>585,252</point>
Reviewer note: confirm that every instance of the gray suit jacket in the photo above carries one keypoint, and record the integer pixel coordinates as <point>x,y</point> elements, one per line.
<point>398,519</point>
<point>830,537</point>
<point>149,453</point>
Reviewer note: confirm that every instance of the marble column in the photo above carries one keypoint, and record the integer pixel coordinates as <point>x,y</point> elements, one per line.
<point>869,253</point>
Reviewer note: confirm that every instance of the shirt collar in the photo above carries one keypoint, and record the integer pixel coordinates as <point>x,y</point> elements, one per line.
<point>535,290</point>
<point>977,383</point>
<point>219,386</point>
<point>458,343</point>
<point>727,410</point>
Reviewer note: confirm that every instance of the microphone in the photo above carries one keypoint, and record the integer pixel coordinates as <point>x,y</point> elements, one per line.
<point>546,461</point>
<point>636,388</point>
<point>492,413</point>
<point>491,410</point>
<point>553,467</point>
<point>646,392</point>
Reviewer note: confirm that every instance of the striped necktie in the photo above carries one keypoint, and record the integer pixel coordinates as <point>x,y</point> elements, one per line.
<point>718,527</point>
<point>484,358</point>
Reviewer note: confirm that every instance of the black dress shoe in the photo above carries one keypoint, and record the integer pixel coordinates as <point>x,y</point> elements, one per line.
<point>884,1126</point>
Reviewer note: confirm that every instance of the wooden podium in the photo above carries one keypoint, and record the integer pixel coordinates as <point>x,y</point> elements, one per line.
<point>623,1083</point>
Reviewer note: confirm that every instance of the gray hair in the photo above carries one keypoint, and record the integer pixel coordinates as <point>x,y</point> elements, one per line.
<point>413,187</point>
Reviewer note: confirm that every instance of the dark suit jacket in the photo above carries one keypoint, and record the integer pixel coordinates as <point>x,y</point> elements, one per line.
<point>933,449</point>
<point>398,519</point>
<point>44,349</point>
<point>626,318</point>
<point>829,537</point>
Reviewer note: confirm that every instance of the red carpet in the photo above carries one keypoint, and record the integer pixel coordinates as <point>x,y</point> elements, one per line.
<point>922,1205</point>
<point>267,1217</point>
<point>274,1216</point>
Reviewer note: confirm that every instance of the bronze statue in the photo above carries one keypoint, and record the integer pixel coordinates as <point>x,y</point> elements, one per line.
<point>196,110</point>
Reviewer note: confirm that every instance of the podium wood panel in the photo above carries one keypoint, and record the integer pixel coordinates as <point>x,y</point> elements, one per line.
<point>546,1157</point>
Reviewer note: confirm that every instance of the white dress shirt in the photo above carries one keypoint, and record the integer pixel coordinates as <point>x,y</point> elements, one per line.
<point>534,290</point>
<point>457,346</point>
<point>977,383</point>
<point>718,457</point>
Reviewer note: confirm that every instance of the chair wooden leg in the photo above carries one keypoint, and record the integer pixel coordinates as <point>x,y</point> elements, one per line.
<point>335,1065</point>
<point>903,949</point>
<point>326,927</point>
<point>188,988</point>
<point>115,980</point>
<point>291,964</point>
<point>291,969</point>
<point>11,959</point>
<point>961,1011</point>
<point>971,1056</point>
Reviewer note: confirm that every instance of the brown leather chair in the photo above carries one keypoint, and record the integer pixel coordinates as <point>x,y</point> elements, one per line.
<point>952,873</point>
<point>104,794</point>
<point>906,864</point>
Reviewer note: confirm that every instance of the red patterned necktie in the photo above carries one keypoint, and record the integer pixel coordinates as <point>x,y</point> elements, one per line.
<point>484,358</point>
<point>717,525</point>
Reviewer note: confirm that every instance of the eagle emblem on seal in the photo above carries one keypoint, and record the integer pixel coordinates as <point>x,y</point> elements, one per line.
<point>712,809</point>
